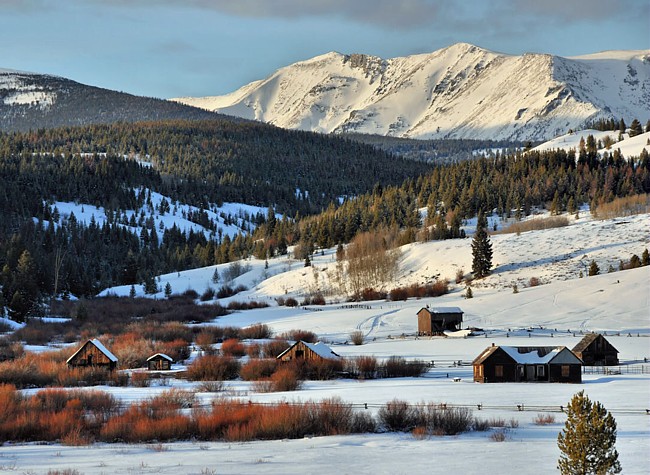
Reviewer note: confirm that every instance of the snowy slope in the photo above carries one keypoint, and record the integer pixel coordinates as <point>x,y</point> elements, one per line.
<point>457,92</point>
<point>629,146</point>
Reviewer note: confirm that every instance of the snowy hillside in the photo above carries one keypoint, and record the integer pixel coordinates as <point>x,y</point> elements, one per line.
<point>556,257</point>
<point>629,146</point>
<point>228,219</point>
<point>457,92</point>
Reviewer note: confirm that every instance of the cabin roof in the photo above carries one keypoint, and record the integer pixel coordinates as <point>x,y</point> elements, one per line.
<point>100,346</point>
<point>162,355</point>
<point>526,354</point>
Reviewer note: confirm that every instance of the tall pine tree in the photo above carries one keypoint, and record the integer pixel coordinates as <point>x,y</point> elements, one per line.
<point>481,248</point>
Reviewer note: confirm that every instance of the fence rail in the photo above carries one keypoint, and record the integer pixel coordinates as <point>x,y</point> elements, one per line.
<point>621,369</point>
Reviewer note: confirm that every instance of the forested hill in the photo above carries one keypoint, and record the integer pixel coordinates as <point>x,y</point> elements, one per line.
<point>31,101</point>
<point>201,162</point>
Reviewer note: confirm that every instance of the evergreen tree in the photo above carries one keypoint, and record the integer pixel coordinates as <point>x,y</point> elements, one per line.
<point>150,285</point>
<point>593,269</point>
<point>468,293</point>
<point>307,261</point>
<point>132,292</point>
<point>635,128</point>
<point>168,290</point>
<point>588,439</point>
<point>215,276</point>
<point>481,248</point>
<point>645,258</point>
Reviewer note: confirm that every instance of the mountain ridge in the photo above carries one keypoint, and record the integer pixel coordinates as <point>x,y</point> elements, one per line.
<point>461,91</point>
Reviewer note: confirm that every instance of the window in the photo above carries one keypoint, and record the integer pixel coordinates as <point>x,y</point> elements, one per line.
<point>498,371</point>
<point>540,371</point>
<point>565,370</point>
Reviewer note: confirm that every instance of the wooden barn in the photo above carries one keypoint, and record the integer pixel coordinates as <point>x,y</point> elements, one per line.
<point>160,362</point>
<point>511,364</point>
<point>93,353</point>
<point>437,320</point>
<point>595,350</point>
<point>301,350</point>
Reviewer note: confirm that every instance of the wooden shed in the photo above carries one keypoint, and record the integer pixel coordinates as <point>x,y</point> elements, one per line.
<point>301,350</point>
<point>511,364</point>
<point>437,320</point>
<point>160,362</point>
<point>595,350</point>
<point>93,353</point>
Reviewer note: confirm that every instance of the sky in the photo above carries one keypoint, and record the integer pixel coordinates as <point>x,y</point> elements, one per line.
<point>174,48</point>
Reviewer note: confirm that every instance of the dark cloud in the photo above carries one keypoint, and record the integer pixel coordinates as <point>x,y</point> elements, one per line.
<point>570,11</point>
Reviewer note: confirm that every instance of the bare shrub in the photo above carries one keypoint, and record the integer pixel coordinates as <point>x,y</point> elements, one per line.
<point>357,337</point>
<point>497,422</point>
<point>397,416</point>
<point>208,294</point>
<point>460,273</point>
<point>250,305</point>
<point>234,270</point>
<point>498,435</point>
<point>300,335</point>
<point>211,386</point>
<point>257,331</point>
<point>481,425</point>
<point>140,380</point>
<point>436,289</point>
<point>286,378</point>
<point>398,367</point>
<point>213,368</point>
<point>371,262</point>
<point>513,423</point>
<point>369,293</point>
<point>420,433</point>
<point>544,419</point>
<point>205,340</point>
<point>256,369</point>
<point>534,282</point>
<point>440,419</point>
<point>365,367</point>
<point>273,348</point>
<point>291,302</point>
<point>233,347</point>
<point>318,299</point>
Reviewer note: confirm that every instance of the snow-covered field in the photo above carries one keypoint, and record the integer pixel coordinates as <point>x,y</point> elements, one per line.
<point>629,146</point>
<point>554,313</point>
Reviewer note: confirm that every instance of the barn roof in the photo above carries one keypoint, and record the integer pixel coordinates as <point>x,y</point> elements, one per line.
<point>527,354</point>
<point>320,348</point>
<point>162,355</point>
<point>434,310</point>
<point>100,346</point>
<point>588,340</point>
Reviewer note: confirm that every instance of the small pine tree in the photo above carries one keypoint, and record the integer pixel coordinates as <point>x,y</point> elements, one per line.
<point>481,248</point>
<point>588,439</point>
<point>645,258</point>
<point>593,269</point>
<point>515,289</point>
<point>635,261</point>
<point>168,290</point>
<point>468,293</point>
<point>215,276</point>
<point>132,292</point>
<point>307,261</point>
<point>635,128</point>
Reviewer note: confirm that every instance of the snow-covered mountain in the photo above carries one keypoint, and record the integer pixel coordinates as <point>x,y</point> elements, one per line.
<point>462,91</point>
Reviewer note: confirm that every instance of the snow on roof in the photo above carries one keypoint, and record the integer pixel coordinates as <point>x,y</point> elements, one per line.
<point>322,350</point>
<point>162,355</point>
<point>444,310</point>
<point>100,346</point>
<point>532,355</point>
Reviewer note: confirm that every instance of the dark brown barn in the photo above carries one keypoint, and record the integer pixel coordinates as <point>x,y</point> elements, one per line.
<point>93,353</point>
<point>437,320</point>
<point>510,364</point>
<point>159,362</point>
<point>595,350</point>
<point>302,350</point>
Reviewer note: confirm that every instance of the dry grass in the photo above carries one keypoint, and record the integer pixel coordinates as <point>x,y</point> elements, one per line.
<point>544,419</point>
<point>535,225</point>
<point>627,206</point>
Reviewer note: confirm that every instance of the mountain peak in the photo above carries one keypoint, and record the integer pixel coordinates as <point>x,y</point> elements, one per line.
<point>461,91</point>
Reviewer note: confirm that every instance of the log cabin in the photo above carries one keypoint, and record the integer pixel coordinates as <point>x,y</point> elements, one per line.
<point>595,350</point>
<point>301,350</point>
<point>437,320</point>
<point>93,353</point>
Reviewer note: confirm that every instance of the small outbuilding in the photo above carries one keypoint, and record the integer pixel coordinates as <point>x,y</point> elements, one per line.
<point>93,353</point>
<point>301,350</point>
<point>160,362</point>
<point>595,350</point>
<point>437,320</point>
<point>513,364</point>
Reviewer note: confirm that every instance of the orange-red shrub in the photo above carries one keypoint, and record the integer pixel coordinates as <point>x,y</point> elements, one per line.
<point>233,347</point>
